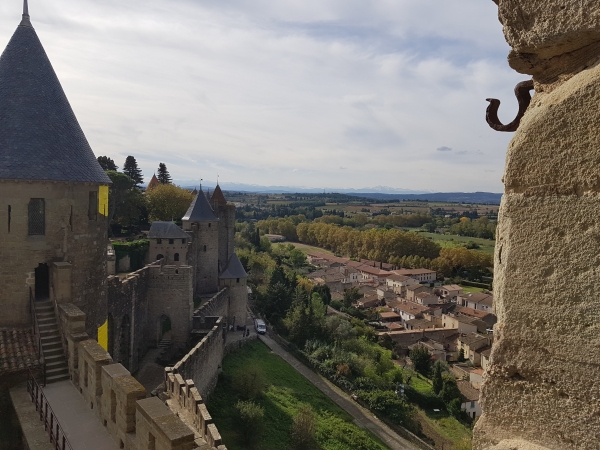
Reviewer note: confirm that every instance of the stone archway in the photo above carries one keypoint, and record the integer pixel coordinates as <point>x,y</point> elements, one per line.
<point>163,327</point>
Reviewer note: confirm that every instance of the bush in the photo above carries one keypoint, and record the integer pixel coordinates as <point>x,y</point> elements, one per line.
<point>303,429</point>
<point>249,383</point>
<point>425,401</point>
<point>250,421</point>
<point>394,408</point>
<point>421,359</point>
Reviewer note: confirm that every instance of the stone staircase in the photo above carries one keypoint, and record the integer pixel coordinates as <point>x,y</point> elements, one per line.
<point>54,357</point>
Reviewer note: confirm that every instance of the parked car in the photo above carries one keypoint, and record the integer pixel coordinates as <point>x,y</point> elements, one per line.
<point>259,326</point>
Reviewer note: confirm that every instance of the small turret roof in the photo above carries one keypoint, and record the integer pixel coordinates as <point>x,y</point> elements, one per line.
<point>40,138</point>
<point>234,269</point>
<point>166,230</point>
<point>200,210</point>
<point>153,183</point>
<point>217,197</point>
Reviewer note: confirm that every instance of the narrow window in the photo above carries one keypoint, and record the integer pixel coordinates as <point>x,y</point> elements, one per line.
<point>205,248</point>
<point>171,241</point>
<point>208,224</point>
<point>159,241</point>
<point>183,241</point>
<point>176,257</point>
<point>71,219</point>
<point>93,206</point>
<point>151,442</point>
<point>237,280</point>
<point>9,211</point>
<point>37,217</point>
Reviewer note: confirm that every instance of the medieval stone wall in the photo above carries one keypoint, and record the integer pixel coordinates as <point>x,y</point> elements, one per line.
<point>204,256</point>
<point>237,300</point>
<point>70,236</point>
<point>202,363</point>
<point>216,306</point>
<point>138,306</point>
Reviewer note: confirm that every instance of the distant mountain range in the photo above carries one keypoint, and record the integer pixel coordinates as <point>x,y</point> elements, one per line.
<point>454,197</point>
<point>375,193</point>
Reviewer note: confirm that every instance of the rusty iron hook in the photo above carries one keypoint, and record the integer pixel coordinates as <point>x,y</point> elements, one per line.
<point>523,97</point>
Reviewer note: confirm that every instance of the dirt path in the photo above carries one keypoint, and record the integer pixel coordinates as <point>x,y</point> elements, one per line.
<point>362,417</point>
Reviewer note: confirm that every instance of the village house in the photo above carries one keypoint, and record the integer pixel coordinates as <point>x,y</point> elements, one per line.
<point>167,241</point>
<point>426,298</point>
<point>470,402</point>
<point>487,318</point>
<point>449,292</point>
<point>481,301</point>
<point>472,345</point>
<point>419,324</point>
<point>421,275</point>
<point>407,310</point>
<point>399,283</point>
<point>370,301</point>
<point>413,290</point>
<point>463,323</point>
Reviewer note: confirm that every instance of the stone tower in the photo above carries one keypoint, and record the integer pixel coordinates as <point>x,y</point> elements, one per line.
<point>53,192</point>
<point>234,278</point>
<point>226,214</point>
<point>542,388</point>
<point>201,221</point>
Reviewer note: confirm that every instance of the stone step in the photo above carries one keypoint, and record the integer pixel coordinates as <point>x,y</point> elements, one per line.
<point>44,308</point>
<point>50,351</point>
<point>50,340</point>
<point>59,370</point>
<point>56,378</point>
<point>54,357</point>
<point>47,319</point>
<point>48,325</point>
<point>49,332</point>
<point>56,364</point>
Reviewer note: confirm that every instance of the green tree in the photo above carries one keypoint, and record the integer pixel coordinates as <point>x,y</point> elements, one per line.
<point>125,200</point>
<point>250,383</point>
<point>250,422</point>
<point>350,296</point>
<point>450,390</point>
<point>437,379</point>
<point>323,291</point>
<point>461,355</point>
<point>131,169</point>
<point>168,202</point>
<point>163,174</point>
<point>421,359</point>
<point>107,163</point>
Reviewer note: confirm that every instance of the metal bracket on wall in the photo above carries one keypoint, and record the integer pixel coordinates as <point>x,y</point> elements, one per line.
<point>523,97</point>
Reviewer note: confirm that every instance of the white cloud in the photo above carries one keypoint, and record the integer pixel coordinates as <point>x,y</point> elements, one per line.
<point>286,93</point>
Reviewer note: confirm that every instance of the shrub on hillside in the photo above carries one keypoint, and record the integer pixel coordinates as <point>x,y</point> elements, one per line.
<point>249,383</point>
<point>250,421</point>
<point>303,429</point>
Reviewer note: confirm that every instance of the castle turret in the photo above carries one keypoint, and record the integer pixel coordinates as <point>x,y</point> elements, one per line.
<point>53,192</point>
<point>202,222</point>
<point>226,214</point>
<point>234,277</point>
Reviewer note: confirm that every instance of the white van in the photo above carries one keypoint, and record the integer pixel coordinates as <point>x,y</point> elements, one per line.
<point>260,326</point>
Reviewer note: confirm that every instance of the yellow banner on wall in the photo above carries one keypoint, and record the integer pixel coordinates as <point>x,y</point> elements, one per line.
<point>103,200</point>
<point>103,335</point>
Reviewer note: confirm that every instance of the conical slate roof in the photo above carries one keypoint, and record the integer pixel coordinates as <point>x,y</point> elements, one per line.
<point>40,138</point>
<point>217,197</point>
<point>235,269</point>
<point>200,210</point>
<point>153,183</point>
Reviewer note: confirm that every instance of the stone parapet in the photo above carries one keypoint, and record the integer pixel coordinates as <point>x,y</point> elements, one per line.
<point>158,428</point>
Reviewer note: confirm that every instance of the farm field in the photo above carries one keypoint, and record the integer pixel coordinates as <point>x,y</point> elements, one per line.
<point>285,393</point>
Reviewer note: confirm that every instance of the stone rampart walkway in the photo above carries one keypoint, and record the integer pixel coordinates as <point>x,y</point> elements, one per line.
<point>362,417</point>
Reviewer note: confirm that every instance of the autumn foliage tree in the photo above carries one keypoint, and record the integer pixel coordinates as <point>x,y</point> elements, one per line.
<point>168,202</point>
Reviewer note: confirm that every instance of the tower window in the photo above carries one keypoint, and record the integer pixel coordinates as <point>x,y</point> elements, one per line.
<point>171,241</point>
<point>237,280</point>
<point>176,257</point>
<point>93,206</point>
<point>159,241</point>
<point>37,217</point>
<point>205,248</point>
<point>183,241</point>
<point>9,211</point>
<point>208,224</point>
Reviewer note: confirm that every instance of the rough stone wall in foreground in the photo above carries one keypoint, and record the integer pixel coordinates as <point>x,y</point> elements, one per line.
<point>542,389</point>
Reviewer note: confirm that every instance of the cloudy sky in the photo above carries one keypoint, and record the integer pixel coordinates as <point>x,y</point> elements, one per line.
<point>316,93</point>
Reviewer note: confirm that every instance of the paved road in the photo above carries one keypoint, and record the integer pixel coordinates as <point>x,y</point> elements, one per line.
<point>362,417</point>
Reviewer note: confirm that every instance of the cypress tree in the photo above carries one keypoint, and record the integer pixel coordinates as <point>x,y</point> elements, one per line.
<point>107,163</point>
<point>131,169</point>
<point>163,174</point>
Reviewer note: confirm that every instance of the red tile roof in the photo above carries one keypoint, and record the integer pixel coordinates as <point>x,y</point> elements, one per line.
<point>17,350</point>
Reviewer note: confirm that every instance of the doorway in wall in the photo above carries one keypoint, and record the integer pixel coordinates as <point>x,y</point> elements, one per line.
<point>164,328</point>
<point>42,282</point>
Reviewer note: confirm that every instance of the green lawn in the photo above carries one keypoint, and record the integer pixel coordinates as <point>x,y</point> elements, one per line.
<point>287,390</point>
<point>451,240</point>
<point>472,290</point>
<point>305,248</point>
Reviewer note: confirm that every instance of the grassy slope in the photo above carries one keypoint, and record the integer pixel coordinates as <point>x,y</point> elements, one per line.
<point>306,248</point>
<point>287,390</point>
<point>447,427</point>
<point>451,240</point>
